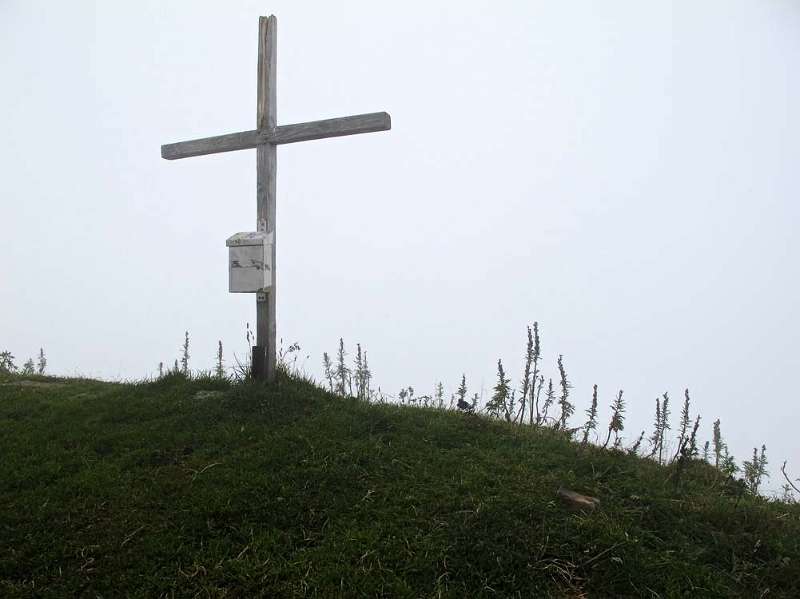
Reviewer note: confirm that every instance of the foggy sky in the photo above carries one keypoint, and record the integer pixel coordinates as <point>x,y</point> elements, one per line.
<point>623,172</point>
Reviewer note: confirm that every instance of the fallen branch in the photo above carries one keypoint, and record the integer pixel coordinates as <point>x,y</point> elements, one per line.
<point>130,536</point>
<point>601,554</point>
<point>199,472</point>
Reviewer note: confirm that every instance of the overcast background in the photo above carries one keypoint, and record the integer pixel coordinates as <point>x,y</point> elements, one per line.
<point>626,173</point>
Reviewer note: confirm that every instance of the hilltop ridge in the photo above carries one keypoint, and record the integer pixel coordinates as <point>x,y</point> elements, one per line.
<point>199,486</point>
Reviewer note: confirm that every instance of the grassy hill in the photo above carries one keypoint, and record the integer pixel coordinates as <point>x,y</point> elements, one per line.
<point>169,489</point>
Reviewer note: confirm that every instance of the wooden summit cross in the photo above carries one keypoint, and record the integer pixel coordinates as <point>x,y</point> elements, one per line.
<point>265,138</point>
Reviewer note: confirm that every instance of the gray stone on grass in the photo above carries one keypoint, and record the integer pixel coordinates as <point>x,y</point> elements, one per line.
<point>578,502</point>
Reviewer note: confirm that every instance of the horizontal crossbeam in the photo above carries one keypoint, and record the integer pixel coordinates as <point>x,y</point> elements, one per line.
<point>346,125</point>
<point>285,134</point>
<point>212,145</point>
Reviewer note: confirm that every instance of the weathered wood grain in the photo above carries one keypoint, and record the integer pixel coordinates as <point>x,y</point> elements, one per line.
<point>266,164</point>
<point>285,134</point>
<point>213,145</point>
<point>338,127</point>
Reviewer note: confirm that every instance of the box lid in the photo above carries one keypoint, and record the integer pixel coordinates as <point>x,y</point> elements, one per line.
<point>248,238</point>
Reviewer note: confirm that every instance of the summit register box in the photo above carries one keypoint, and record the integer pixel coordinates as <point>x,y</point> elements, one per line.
<point>249,262</point>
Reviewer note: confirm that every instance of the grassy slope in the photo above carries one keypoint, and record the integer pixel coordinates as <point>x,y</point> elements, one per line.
<point>142,490</point>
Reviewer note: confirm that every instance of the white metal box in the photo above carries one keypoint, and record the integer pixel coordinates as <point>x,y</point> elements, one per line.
<point>249,262</point>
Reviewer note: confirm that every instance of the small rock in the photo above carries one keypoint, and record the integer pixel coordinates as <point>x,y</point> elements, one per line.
<point>576,501</point>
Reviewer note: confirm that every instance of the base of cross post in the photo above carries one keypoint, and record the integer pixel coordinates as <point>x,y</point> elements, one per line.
<point>259,363</point>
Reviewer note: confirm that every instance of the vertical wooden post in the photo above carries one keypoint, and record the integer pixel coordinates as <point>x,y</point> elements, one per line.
<point>264,358</point>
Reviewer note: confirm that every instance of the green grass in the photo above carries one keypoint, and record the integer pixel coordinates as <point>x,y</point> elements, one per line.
<point>145,490</point>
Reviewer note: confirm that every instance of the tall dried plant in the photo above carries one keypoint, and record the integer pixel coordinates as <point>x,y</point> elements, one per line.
<point>360,375</point>
<point>529,375</point>
<point>660,427</point>
<point>549,400</point>
<point>591,422</point>
<point>684,424</point>
<point>693,450</point>
<point>7,365</point>
<point>526,378</point>
<point>41,363</point>
<point>185,355</point>
<point>219,369</point>
<point>328,368</point>
<point>755,471</point>
<point>342,371</point>
<point>718,444</point>
<point>498,404</point>
<point>655,438</point>
<point>567,407</point>
<point>728,463</point>
<point>616,425</point>
<point>534,390</point>
<point>29,367</point>
<point>461,393</point>
<point>664,424</point>
<point>539,387</point>
<point>439,395</point>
